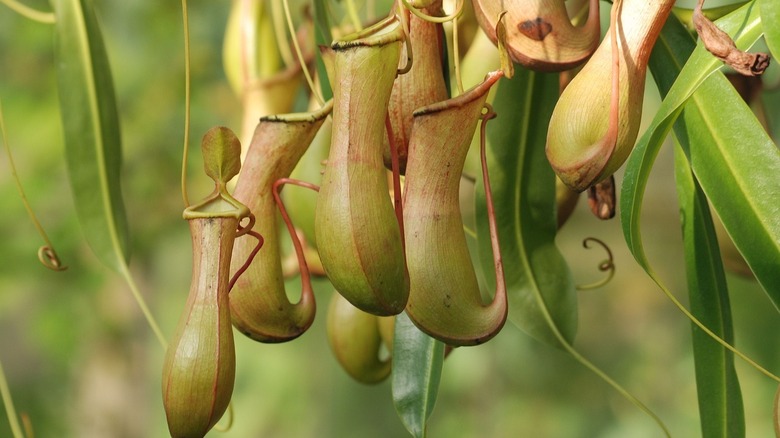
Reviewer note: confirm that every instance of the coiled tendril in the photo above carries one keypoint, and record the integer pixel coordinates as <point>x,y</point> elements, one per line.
<point>607,265</point>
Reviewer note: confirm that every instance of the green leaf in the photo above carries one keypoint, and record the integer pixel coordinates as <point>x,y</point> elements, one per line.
<point>770,17</point>
<point>91,130</point>
<point>417,364</point>
<point>322,36</point>
<point>720,400</point>
<point>221,154</point>
<point>737,166</point>
<point>539,282</point>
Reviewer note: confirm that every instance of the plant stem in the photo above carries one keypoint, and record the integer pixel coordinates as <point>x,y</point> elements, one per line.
<point>353,15</point>
<point>28,12</point>
<point>46,254</point>
<point>281,41</point>
<point>5,393</point>
<point>186,27</point>
<point>125,271</point>
<point>314,90</point>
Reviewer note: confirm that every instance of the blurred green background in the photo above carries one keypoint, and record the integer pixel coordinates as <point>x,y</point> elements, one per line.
<point>81,361</point>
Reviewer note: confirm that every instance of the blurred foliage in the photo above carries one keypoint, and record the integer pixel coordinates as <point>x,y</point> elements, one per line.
<point>81,361</point>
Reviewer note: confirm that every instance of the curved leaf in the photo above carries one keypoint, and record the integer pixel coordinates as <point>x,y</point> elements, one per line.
<point>720,400</point>
<point>737,166</point>
<point>91,130</point>
<point>770,13</point>
<point>417,364</point>
<point>524,196</point>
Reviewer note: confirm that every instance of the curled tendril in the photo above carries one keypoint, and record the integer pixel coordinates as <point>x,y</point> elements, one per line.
<point>246,228</point>
<point>50,259</point>
<point>251,256</point>
<point>607,265</point>
<point>487,112</point>
<point>431,18</point>
<point>30,13</point>
<point>408,41</point>
<point>46,253</point>
<point>229,421</point>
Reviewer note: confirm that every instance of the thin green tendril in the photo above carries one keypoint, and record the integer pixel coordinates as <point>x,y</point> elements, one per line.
<point>46,254</point>
<point>279,31</point>
<point>607,266</point>
<point>125,271</point>
<point>404,21</point>
<point>28,12</point>
<point>186,27</point>
<point>432,19</point>
<point>353,15</point>
<point>229,420</point>
<point>10,411</point>
<point>314,90</point>
<point>456,53</point>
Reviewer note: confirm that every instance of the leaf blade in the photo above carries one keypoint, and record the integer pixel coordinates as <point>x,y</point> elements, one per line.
<point>417,366</point>
<point>696,71</point>
<point>720,399</point>
<point>770,13</point>
<point>91,131</point>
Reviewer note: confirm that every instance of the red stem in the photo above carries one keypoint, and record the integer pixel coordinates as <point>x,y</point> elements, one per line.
<point>498,263</point>
<point>249,259</point>
<point>302,265</point>
<point>396,169</point>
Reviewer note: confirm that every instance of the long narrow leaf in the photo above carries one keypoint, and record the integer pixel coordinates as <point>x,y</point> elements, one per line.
<point>738,165</point>
<point>770,17</point>
<point>417,365</point>
<point>720,400</point>
<point>524,195</point>
<point>91,128</point>
<point>738,172</point>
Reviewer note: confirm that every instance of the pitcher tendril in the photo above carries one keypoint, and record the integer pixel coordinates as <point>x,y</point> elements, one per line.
<point>5,396</point>
<point>432,19</point>
<point>456,55</point>
<point>229,415</point>
<point>46,253</point>
<point>607,265</point>
<point>28,12</point>
<point>403,19</point>
<point>50,259</point>
<point>187,98</point>
<point>291,28</point>
<point>397,199</point>
<point>247,230</point>
<point>297,244</point>
<point>280,31</point>
<point>353,15</point>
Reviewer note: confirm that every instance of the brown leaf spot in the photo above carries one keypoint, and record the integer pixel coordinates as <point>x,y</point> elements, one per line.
<point>535,29</point>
